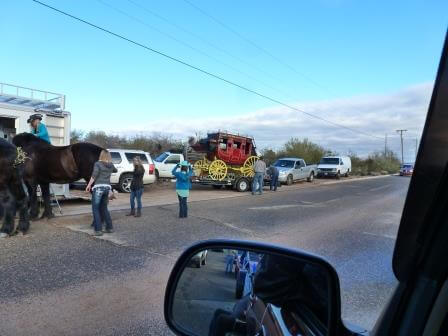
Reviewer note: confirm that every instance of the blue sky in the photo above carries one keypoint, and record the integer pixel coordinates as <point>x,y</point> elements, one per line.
<point>329,50</point>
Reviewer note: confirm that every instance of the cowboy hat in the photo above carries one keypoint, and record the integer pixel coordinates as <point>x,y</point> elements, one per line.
<point>184,163</point>
<point>34,117</point>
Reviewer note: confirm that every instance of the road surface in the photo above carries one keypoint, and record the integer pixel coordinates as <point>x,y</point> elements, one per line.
<point>61,280</point>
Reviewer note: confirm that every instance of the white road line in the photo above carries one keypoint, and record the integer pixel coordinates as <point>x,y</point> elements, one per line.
<point>276,207</point>
<point>380,235</point>
<point>379,188</point>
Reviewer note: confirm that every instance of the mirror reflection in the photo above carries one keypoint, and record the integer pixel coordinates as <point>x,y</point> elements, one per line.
<point>232,292</point>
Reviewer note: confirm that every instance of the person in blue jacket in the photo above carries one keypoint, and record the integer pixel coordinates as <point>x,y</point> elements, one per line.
<point>183,172</point>
<point>38,128</point>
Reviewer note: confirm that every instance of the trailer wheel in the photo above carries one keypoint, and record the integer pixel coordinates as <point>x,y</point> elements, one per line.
<point>242,184</point>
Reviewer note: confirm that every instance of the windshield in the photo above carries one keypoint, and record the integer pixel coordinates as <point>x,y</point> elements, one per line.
<point>330,161</point>
<point>284,163</point>
<point>161,157</point>
<point>223,91</point>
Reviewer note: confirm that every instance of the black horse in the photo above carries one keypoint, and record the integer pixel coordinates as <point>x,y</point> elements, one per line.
<point>54,164</point>
<point>13,195</point>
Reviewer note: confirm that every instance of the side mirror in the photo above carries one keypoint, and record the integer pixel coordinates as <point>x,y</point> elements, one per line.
<point>233,288</point>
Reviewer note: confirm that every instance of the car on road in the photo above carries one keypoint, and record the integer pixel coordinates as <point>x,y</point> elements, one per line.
<point>334,166</point>
<point>294,169</point>
<point>122,160</point>
<point>165,162</point>
<point>200,259</point>
<point>406,169</point>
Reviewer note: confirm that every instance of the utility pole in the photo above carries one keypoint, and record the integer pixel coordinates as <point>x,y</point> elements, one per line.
<point>385,145</point>
<point>401,138</point>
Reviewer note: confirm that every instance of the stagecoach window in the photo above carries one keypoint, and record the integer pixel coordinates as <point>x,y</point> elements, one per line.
<point>237,144</point>
<point>116,157</point>
<point>131,156</point>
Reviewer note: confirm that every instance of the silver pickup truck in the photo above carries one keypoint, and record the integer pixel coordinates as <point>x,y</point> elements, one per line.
<point>294,169</point>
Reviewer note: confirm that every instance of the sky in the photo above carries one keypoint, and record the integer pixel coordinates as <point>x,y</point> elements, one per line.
<point>366,65</point>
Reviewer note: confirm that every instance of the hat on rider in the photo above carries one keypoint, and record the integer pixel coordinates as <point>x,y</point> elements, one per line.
<point>184,163</point>
<point>34,117</point>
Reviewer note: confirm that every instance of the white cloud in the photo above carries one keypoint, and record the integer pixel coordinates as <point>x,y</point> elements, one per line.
<point>271,127</point>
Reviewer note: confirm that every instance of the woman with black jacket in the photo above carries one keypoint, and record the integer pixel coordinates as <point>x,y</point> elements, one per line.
<point>137,187</point>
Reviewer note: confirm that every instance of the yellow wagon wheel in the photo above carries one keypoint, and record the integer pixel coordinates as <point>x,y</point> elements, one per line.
<point>248,166</point>
<point>200,166</point>
<point>218,170</point>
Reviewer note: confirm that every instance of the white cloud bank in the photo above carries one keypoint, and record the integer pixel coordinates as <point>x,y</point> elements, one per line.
<point>271,127</point>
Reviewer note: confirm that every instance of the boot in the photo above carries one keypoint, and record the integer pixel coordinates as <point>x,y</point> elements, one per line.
<point>131,213</point>
<point>139,213</point>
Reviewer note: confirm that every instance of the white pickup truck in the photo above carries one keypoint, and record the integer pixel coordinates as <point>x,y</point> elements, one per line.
<point>294,169</point>
<point>165,163</point>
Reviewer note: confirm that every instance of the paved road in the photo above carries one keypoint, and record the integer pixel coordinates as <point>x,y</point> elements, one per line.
<point>61,280</point>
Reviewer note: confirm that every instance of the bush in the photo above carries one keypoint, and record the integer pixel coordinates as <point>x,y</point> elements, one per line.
<point>375,164</point>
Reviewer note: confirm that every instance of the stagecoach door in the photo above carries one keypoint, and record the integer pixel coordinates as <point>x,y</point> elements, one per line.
<point>7,128</point>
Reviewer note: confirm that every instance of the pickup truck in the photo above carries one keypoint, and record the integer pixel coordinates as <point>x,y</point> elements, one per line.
<point>294,169</point>
<point>165,163</point>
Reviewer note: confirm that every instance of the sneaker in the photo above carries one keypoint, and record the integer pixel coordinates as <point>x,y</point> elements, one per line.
<point>97,233</point>
<point>109,231</point>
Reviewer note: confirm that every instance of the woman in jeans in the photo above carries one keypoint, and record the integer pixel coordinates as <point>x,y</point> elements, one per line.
<point>100,180</point>
<point>137,187</point>
<point>183,185</point>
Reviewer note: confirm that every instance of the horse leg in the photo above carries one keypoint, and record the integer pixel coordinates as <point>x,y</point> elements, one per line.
<point>22,204</point>
<point>48,211</point>
<point>34,210</point>
<point>7,204</point>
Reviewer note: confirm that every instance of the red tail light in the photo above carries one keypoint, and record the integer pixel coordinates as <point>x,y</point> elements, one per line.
<point>151,168</point>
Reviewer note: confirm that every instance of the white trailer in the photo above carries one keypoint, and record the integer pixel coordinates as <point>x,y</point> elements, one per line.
<point>18,103</point>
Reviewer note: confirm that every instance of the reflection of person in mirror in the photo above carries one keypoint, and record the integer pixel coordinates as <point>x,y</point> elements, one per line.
<point>183,185</point>
<point>230,259</point>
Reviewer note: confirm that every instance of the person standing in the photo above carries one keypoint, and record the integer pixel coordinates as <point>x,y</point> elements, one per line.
<point>260,171</point>
<point>273,172</point>
<point>100,180</point>
<point>38,128</point>
<point>137,187</point>
<point>183,185</point>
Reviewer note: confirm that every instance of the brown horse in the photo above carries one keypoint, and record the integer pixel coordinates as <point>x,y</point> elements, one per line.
<point>13,195</point>
<point>54,164</point>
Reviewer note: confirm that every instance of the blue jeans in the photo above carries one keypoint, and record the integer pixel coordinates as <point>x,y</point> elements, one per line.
<point>100,199</point>
<point>136,194</point>
<point>258,179</point>
<point>183,209</point>
<point>274,182</point>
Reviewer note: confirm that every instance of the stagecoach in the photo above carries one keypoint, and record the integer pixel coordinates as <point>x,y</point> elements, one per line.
<point>223,159</point>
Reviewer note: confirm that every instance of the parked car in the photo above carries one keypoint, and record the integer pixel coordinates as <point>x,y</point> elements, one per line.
<point>122,160</point>
<point>407,169</point>
<point>334,166</point>
<point>294,169</point>
<point>165,163</point>
<point>200,259</point>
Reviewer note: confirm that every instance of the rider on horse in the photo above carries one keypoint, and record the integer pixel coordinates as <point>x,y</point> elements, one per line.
<point>38,128</point>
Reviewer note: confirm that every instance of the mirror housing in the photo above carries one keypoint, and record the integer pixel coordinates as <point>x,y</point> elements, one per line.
<point>334,323</point>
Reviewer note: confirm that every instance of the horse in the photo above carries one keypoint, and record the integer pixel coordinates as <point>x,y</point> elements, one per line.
<point>13,193</point>
<point>54,164</point>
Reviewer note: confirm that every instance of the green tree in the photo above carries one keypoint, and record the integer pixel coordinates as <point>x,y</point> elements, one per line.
<point>305,149</point>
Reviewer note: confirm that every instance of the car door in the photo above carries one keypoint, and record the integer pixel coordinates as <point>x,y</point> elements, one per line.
<point>169,163</point>
<point>296,170</point>
<point>117,160</point>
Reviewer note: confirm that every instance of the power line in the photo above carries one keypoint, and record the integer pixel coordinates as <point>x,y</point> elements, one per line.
<point>257,46</point>
<point>177,60</point>
<point>203,40</point>
<point>131,17</point>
